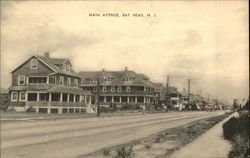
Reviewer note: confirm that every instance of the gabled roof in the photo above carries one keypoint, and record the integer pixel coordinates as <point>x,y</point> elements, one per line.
<point>51,63</point>
<point>51,88</point>
<point>118,77</point>
<point>172,90</point>
<point>158,87</point>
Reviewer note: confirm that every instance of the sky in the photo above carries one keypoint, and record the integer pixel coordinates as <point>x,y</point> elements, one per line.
<point>205,41</point>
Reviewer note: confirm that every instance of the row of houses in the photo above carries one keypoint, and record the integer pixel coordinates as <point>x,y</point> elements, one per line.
<point>50,85</point>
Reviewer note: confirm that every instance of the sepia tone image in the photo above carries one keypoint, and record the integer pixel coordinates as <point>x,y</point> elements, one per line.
<point>124,79</point>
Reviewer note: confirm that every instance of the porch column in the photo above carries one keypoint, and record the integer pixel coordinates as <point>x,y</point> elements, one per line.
<point>135,99</point>
<point>49,105</point>
<point>74,100</point>
<point>67,97</point>
<point>61,97</point>
<point>112,99</point>
<point>120,99</point>
<point>49,97</point>
<point>144,100</point>
<point>37,99</point>
<point>105,99</point>
<point>85,99</point>
<point>89,99</point>
<point>128,99</point>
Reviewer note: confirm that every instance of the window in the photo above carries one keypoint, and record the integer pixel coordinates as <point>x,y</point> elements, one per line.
<point>94,89</point>
<point>52,80</point>
<point>92,80</point>
<point>68,68</point>
<point>75,83</point>
<point>55,96</point>
<point>104,89</point>
<point>71,97</point>
<point>44,96</point>
<point>37,79</point>
<point>34,63</point>
<point>128,89</point>
<point>69,81</point>
<point>112,89</point>
<point>64,67</point>
<point>61,80</point>
<point>22,96</point>
<point>21,79</point>
<point>83,80</point>
<point>119,89</point>
<point>77,98</point>
<point>32,96</point>
<point>14,96</point>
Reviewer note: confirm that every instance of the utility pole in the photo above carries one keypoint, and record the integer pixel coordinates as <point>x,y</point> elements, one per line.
<point>167,90</point>
<point>98,97</point>
<point>189,93</point>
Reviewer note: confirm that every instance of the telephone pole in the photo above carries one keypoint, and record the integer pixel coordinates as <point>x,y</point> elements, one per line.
<point>167,90</point>
<point>189,93</point>
<point>98,97</point>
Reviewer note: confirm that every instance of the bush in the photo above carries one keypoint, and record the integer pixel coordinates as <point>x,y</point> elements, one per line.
<point>124,152</point>
<point>30,109</point>
<point>236,130</point>
<point>106,152</point>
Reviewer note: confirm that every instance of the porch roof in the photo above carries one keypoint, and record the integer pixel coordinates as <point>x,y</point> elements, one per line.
<point>50,88</point>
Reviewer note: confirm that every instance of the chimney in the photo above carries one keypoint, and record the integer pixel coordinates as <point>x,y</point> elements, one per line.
<point>126,69</point>
<point>46,54</point>
<point>103,70</point>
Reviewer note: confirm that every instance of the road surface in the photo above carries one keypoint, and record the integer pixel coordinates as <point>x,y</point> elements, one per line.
<point>69,138</point>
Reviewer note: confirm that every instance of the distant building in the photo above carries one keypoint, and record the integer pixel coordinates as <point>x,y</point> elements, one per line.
<point>119,87</point>
<point>47,85</point>
<point>174,97</point>
<point>159,93</point>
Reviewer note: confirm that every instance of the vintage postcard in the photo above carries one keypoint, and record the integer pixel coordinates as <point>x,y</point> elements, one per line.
<point>124,79</point>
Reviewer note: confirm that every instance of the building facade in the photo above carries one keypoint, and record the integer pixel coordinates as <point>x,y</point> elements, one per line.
<point>119,87</point>
<point>159,92</point>
<point>173,96</point>
<point>47,85</point>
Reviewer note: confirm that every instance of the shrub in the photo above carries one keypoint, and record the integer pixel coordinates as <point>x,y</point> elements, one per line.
<point>236,130</point>
<point>124,152</point>
<point>106,152</point>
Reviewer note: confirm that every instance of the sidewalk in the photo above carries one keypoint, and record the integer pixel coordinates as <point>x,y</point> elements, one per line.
<point>209,145</point>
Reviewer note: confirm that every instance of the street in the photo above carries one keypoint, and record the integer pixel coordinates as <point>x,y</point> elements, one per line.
<point>67,138</point>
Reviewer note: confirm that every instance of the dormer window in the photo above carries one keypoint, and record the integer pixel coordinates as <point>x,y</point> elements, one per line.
<point>75,83</point>
<point>34,63</point>
<point>125,79</point>
<point>128,88</point>
<point>68,68</point>
<point>119,89</point>
<point>112,89</point>
<point>83,80</point>
<point>104,89</point>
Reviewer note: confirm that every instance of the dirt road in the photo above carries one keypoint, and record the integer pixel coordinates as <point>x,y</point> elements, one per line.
<point>68,138</point>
